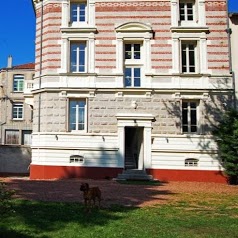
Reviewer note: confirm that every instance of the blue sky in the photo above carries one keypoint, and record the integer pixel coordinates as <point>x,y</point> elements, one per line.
<point>17,32</point>
<point>233,6</point>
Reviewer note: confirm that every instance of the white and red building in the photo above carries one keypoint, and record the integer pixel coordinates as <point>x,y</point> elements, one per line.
<point>131,84</point>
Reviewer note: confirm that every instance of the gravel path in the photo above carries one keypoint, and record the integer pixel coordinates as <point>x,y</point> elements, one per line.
<point>112,191</point>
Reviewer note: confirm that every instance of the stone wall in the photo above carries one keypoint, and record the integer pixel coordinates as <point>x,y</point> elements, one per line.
<point>14,159</point>
<point>104,108</point>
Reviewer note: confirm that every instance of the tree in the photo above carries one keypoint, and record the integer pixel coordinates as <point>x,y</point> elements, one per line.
<point>227,141</point>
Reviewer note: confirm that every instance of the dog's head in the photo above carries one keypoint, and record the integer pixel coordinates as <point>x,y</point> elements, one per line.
<point>84,187</point>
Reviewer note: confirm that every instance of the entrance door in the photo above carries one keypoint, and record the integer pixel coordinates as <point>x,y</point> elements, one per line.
<point>134,148</point>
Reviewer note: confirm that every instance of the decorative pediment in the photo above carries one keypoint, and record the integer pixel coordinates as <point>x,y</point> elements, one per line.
<point>133,27</point>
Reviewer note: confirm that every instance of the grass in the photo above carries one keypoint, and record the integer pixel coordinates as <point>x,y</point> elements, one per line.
<point>189,215</point>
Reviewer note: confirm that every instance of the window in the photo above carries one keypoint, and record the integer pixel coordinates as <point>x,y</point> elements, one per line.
<point>189,117</point>
<point>132,51</point>
<point>76,159</point>
<point>12,137</point>
<point>132,77</point>
<point>18,83</point>
<point>17,111</point>
<point>77,57</point>
<point>188,56</point>
<point>133,64</point>
<point>26,137</point>
<point>186,10</point>
<point>77,115</point>
<point>78,11</point>
<point>191,162</point>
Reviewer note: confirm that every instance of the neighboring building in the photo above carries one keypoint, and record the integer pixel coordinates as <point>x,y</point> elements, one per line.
<point>233,25</point>
<point>131,84</point>
<point>15,117</point>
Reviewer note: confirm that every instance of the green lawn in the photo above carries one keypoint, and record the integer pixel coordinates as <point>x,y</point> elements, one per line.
<point>189,215</point>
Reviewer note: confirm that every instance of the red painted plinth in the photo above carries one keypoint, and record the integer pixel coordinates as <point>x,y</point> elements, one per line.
<point>166,175</point>
<point>188,175</point>
<point>63,172</point>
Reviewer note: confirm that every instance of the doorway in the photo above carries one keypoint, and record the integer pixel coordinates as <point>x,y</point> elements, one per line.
<point>134,148</point>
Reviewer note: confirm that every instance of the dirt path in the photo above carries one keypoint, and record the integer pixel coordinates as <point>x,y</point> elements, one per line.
<point>113,192</point>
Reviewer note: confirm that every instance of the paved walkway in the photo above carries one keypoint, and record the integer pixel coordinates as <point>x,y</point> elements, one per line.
<point>113,192</point>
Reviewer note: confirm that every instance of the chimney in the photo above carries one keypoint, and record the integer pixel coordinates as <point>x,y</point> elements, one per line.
<point>9,61</point>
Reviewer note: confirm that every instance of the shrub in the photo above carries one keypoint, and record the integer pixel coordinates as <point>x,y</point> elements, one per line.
<point>227,140</point>
<point>5,198</point>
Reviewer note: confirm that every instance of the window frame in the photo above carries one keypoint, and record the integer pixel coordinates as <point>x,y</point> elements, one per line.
<point>15,105</point>
<point>78,8</point>
<point>186,21</point>
<point>17,139</point>
<point>23,133</point>
<point>18,79</point>
<point>77,116</point>
<point>133,51</point>
<point>133,77</point>
<point>189,123</point>
<point>78,57</point>
<point>191,162</point>
<point>133,62</point>
<point>188,58</point>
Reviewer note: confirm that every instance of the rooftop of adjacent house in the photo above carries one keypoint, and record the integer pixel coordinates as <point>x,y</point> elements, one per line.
<point>233,7</point>
<point>20,66</point>
<point>10,66</point>
<point>24,66</point>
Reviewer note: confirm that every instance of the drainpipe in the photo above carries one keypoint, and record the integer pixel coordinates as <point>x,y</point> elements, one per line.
<point>40,70</point>
<point>228,31</point>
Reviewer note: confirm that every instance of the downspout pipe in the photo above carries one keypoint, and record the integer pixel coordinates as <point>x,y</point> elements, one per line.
<point>229,32</point>
<point>40,70</point>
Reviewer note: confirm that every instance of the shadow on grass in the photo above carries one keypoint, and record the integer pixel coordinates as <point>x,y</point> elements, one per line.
<point>43,207</point>
<point>7,232</point>
<point>43,218</point>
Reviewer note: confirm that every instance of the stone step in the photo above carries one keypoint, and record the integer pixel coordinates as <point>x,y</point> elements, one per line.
<point>134,171</point>
<point>134,174</point>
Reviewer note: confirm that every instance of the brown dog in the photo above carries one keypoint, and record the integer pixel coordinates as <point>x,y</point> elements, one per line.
<point>90,194</point>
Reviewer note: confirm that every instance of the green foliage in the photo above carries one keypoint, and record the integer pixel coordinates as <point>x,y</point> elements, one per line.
<point>227,140</point>
<point>5,198</point>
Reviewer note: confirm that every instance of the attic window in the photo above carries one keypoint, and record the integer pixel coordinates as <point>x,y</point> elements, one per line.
<point>190,162</point>
<point>76,159</point>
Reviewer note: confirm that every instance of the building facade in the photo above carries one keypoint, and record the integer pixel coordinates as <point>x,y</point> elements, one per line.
<point>15,117</point>
<point>233,36</point>
<point>123,85</point>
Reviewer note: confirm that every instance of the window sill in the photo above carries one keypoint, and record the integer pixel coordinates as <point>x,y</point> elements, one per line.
<point>78,131</point>
<point>81,29</point>
<point>191,28</point>
<point>77,74</point>
<point>198,75</point>
<point>21,120</point>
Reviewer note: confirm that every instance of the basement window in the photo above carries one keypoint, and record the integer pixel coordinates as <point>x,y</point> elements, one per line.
<point>190,162</point>
<point>76,159</point>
